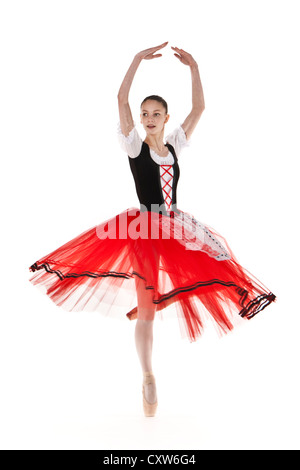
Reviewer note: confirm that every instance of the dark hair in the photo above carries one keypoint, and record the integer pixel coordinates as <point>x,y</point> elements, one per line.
<point>156,98</point>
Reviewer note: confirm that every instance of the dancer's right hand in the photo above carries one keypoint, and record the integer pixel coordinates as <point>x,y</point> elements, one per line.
<point>150,53</point>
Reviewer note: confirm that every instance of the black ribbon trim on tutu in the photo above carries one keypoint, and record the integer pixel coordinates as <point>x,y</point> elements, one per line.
<point>35,267</point>
<point>257,304</point>
<point>248,311</point>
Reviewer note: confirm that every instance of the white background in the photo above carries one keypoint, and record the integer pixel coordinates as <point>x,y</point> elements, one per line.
<point>73,380</point>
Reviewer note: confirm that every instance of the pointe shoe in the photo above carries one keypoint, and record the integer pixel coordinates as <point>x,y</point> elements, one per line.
<point>132,315</point>
<point>149,408</point>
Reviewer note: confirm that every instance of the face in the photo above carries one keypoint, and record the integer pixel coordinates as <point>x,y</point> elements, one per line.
<point>153,117</point>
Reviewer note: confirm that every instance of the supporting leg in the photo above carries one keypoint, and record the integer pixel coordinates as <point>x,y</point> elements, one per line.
<point>145,319</point>
<point>144,336</point>
<point>144,342</point>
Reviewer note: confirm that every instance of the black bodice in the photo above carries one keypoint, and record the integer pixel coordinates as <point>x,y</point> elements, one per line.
<point>146,174</point>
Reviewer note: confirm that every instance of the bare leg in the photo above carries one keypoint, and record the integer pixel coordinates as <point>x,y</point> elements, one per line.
<point>144,343</point>
<point>145,316</point>
<point>144,336</point>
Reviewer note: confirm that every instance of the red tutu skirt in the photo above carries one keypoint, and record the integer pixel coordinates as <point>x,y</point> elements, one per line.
<point>176,260</point>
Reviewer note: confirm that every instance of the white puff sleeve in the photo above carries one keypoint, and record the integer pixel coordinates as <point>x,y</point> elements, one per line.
<point>132,144</point>
<point>178,140</point>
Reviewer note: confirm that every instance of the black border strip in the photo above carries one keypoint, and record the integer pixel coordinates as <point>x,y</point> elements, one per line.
<point>248,310</point>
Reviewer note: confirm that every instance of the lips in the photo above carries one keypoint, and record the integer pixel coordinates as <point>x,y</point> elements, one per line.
<point>151,127</point>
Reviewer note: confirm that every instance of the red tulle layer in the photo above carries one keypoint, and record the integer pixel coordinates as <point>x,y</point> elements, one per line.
<point>181,262</point>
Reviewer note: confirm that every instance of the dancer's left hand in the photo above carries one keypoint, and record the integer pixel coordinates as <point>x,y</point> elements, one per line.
<point>184,56</point>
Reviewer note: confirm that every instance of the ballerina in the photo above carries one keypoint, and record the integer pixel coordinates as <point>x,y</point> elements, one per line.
<point>154,116</point>
<point>154,256</point>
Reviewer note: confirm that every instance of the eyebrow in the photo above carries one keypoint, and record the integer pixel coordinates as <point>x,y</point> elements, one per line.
<point>153,110</point>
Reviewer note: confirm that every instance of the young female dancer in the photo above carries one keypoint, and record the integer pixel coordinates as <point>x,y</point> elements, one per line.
<point>154,116</point>
<point>156,255</point>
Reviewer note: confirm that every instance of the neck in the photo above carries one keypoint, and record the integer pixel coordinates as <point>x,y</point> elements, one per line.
<point>156,141</point>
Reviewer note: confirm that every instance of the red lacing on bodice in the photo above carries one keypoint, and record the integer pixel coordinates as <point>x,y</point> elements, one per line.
<point>167,186</point>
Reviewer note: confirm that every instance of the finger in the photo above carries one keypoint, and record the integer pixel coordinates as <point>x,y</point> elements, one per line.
<point>151,50</point>
<point>181,51</point>
<point>153,56</point>
<point>161,46</point>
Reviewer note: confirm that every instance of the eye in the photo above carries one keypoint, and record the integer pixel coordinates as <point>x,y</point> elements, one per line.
<point>144,114</point>
<point>157,114</point>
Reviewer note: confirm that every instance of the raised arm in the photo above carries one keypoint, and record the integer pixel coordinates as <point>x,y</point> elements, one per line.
<point>198,104</point>
<point>126,120</point>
